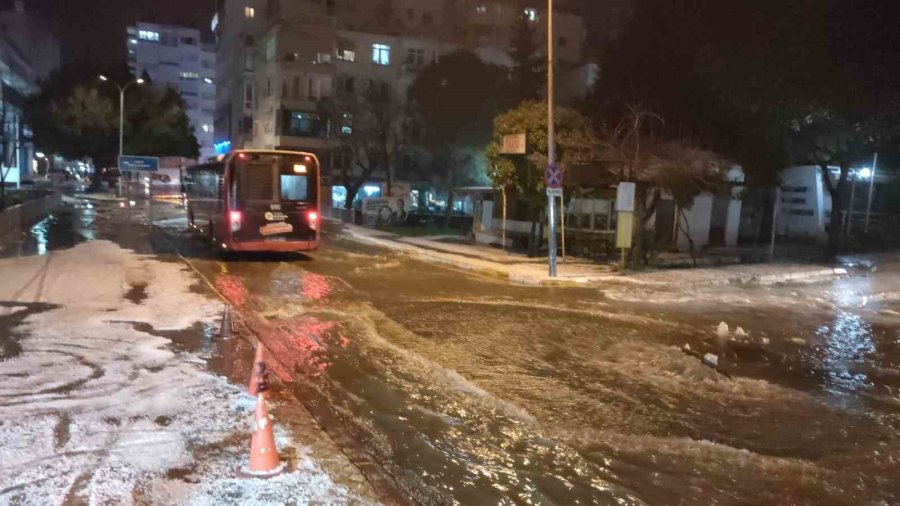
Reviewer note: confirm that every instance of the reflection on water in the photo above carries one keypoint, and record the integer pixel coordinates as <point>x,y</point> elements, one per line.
<point>848,345</point>
<point>39,235</point>
<point>67,226</point>
<point>314,286</point>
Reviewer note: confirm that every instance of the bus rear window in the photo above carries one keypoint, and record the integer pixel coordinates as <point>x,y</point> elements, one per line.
<point>294,187</point>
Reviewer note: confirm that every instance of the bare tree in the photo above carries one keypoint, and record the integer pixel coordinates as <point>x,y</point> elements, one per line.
<point>636,150</point>
<point>371,131</point>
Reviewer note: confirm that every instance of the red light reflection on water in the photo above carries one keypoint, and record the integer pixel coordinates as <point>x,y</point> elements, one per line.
<point>232,289</point>
<point>315,286</point>
<point>298,343</point>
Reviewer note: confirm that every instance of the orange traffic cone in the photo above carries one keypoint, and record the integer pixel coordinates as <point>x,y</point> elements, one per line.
<point>264,461</point>
<point>259,377</point>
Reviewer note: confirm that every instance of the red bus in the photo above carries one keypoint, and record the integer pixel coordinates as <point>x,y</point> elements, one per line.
<point>256,200</point>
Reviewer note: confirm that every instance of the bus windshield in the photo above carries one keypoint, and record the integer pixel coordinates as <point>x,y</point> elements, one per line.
<point>275,177</point>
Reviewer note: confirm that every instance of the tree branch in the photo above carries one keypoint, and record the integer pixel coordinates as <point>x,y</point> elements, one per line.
<point>826,176</point>
<point>654,203</point>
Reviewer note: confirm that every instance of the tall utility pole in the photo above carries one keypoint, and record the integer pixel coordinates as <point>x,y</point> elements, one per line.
<point>551,139</point>
<point>871,189</point>
<point>852,198</point>
<point>122,90</point>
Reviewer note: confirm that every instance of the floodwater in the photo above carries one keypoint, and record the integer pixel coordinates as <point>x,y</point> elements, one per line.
<point>467,390</point>
<point>471,391</point>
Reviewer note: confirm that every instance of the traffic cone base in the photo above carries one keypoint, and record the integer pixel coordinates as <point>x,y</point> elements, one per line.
<point>246,472</point>
<point>264,461</point>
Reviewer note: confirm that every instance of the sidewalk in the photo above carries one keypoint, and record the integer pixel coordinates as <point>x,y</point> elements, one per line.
<point>108,395</point>
<point>520,269</point>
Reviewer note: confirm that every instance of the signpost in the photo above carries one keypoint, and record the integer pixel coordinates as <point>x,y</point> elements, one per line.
<point>138,164</point>
<point>553,178</point>
<point>625,208</point>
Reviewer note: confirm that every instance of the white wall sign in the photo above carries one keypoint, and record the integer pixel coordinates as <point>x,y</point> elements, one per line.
<point>625,198</point>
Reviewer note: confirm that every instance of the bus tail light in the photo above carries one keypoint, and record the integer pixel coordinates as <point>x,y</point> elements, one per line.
<point>313,218</point>
<point>235,218</point>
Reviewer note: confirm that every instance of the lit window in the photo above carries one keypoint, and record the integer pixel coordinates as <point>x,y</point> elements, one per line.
<point>249,12</point>
<point>531,14</point>
<point>206,127</point>
<point>207,80</point>
<point>381,54</point>
<point>346,55</point>
<point>481,9</point>
<point>148,35</point>
<point>323,58</point>
<point>190,75</point>
<point>132,41</point>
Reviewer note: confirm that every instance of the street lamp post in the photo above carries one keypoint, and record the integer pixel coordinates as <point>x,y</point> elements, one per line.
<point>122,90</point>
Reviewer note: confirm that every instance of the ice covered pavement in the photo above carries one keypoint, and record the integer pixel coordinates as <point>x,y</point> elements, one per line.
<point>94,409</point>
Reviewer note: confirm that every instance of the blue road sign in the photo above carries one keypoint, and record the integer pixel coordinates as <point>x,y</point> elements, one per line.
<point>553,177</point>
<point>138,163</point>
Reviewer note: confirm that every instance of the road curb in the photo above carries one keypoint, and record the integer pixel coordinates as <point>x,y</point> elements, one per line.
<point>465,263</point>
<point>500,271</point>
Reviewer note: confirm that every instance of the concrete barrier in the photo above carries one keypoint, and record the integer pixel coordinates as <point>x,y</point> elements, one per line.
<point>25,215</point>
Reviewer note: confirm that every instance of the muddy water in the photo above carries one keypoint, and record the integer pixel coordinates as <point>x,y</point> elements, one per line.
<point>470,391</point>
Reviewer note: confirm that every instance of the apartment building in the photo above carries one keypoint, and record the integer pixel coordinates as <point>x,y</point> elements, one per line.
<point>277,59</point>
<point>180,58</point>
<point>237,24</point>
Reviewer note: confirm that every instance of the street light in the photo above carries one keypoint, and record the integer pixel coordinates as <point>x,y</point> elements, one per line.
<point>122,90</point>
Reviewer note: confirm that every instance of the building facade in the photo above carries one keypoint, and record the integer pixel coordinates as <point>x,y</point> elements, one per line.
<point>237,24</point>
<point>29,53</point>
<point>277,60</point>
<point>180,58</point>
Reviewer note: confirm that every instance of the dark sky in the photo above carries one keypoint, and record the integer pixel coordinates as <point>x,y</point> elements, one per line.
<point>92,32</point>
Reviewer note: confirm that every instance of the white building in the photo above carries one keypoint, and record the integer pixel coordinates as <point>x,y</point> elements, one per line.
<point>180,58</point>
<point>805,207</point>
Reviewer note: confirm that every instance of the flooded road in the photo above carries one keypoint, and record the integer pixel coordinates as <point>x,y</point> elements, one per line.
<point>468,390</point>
<point>472,391</point>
